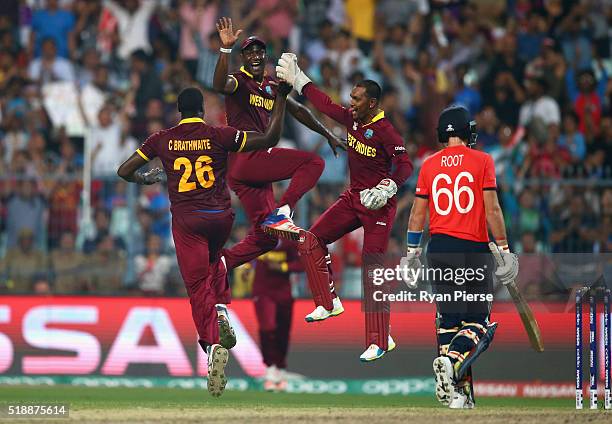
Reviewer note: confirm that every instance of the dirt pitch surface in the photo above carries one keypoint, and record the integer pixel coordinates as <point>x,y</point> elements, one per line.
<point>117,405</point>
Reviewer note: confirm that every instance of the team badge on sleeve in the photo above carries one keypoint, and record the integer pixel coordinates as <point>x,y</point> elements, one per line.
<point>369,133</point>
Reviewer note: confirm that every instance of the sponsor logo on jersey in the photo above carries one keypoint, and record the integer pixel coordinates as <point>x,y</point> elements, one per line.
<point>381,223</point>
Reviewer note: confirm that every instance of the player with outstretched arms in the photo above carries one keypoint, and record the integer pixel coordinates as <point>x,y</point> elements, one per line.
<point>194,157</point>
<point>457,186</point>
<point>378,165</point>
<point>249,96</point>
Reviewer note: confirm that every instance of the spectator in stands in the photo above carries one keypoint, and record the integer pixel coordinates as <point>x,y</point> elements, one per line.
<point>144,80</point>
<point>50,67</point>
<point>68,267</point>
<point>106,267</point>
<point>571,139</point>
<point>153,268</point>
<point>538,105</point>
<point>197,27</point>
<point>588,104</point>
<point>22,263</point>
<point>207,59</point>
<point>52,23</point>
<point>40,285</point>
<point>133,23</point>
<point>25,210</point>
<point>575,230</point>
<point>101,232</point>
<point>63,205</point>
<point>109,141</point>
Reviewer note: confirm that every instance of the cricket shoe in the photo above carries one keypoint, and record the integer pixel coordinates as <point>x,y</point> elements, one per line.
<point>445,376</point>
<point>279,223</point>
<point>217,360</point>
<point>271,379</point>
<point>461,399</point>
<point>373,352</point>
<point>281,385</point>
<point>227,336</point>
<point>320,313</point>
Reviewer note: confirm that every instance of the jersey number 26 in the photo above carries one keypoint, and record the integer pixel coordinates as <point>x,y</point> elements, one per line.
<point>454,196</point>
<point>203,171</point>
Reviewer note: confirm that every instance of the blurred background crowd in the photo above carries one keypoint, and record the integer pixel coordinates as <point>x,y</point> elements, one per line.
<point>83,82</point>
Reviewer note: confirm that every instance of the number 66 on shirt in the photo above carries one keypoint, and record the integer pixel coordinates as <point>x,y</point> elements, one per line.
<point>454,179</point>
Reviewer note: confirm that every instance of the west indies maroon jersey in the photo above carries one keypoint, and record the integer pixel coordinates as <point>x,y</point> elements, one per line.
<point>373,147</point>
<point>272,282</point>
<point>194,156</point>
<point>249,106</point>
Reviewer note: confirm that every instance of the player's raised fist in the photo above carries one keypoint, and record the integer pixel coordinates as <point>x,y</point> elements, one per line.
<point>226,32</point>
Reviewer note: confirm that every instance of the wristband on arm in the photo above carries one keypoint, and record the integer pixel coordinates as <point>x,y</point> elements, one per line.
<point>413,238</point>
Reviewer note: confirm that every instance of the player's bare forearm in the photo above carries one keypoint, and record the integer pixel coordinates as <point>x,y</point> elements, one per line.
<point>222,82</point>
<point>307,118</point>
<point>129,171</point>
<point>418,215</point>
<point>495,217</point>
<point>258,141</point>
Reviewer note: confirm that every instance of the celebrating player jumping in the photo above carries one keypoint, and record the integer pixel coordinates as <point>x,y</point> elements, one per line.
<point>194,157</point>
<point>374,147</point>
<point>249,96</point>
<point>457,185</point>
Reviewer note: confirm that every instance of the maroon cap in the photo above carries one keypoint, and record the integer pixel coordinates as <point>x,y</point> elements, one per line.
<point>252,40</point>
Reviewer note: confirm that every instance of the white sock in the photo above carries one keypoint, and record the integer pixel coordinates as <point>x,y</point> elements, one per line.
<point>284,210</point>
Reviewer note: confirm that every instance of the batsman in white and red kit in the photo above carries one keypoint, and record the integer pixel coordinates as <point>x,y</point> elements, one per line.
<point>378,164</point>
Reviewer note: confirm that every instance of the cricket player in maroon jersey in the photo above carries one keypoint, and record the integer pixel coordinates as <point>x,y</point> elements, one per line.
<point>249,96</point>
<point>194,157</point>
<point>274,309</point>
<point>378,164</point>
<point>457,185</point>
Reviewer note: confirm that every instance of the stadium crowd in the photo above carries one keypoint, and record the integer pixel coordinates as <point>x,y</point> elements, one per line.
<point>82,84</point>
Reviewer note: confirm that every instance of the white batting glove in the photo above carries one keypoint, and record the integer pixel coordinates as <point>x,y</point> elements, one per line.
<point>288,70</point>
<point>377,197</point>
<point>410,264</point>
<point>508,271</point>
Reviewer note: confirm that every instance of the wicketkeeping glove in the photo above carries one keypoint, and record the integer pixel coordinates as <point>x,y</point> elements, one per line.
<point>288,70</point>
<point>377,197</point>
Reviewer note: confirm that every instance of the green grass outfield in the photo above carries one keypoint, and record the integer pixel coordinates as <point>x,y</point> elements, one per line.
<point>187,405</point>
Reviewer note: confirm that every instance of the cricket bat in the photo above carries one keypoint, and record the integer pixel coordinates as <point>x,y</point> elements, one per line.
<point>525,312</point>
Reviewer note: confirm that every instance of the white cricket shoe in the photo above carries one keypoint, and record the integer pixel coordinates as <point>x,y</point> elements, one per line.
<point>461,400</point>
<point>281,386</point>
<point>217,360</point>
<point>445,376</point>
<point>271,378</point>
<point>320,313</point>
<point>373,352</point>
